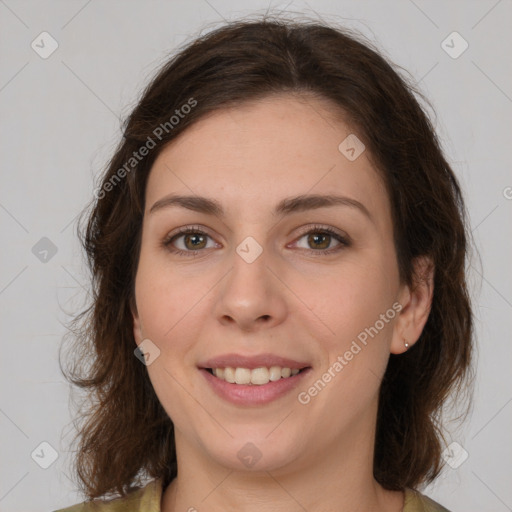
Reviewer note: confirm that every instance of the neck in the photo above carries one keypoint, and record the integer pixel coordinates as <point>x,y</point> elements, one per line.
<point>339,478</point>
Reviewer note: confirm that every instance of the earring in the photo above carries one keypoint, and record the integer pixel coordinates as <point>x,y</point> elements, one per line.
<point>406,345</point>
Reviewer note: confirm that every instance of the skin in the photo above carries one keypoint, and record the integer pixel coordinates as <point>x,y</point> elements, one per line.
<point>292,301</point>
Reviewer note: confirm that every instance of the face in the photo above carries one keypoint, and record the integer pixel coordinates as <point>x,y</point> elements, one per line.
<point>267,281</point>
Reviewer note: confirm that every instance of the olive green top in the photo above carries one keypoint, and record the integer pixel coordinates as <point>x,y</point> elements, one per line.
<point>148,499</point>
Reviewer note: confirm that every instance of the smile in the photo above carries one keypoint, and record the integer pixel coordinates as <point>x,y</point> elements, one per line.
<point>256,376</point>
<point>253,379</point>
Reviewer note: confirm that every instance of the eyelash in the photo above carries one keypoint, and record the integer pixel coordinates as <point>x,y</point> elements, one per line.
<point>344,241</point>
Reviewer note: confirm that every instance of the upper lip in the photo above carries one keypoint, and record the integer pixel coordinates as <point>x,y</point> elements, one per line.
<point>251,362</point>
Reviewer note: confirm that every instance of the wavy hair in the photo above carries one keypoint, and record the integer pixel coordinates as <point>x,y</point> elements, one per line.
<point>125,435</point>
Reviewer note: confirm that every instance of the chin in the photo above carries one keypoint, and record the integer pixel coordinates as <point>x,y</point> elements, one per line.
<point>258,452</point>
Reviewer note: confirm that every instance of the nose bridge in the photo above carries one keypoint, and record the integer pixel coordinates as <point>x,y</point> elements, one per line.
<point>250,272</point>
<point>250,291</point>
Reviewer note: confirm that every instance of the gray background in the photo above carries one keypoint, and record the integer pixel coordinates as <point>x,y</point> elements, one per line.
<point>60,120</point>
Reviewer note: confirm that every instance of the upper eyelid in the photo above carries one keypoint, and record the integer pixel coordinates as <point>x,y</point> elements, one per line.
<point>303,231</point>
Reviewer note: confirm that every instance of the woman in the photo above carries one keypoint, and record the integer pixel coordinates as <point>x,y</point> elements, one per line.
<point>280,312</point>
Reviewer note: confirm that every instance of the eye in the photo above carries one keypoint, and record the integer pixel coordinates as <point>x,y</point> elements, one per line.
<point>321,237</point>
<point>193,241</point>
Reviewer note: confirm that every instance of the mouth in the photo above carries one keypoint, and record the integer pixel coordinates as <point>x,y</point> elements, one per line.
<point>251,381</point>
<point>254,377</point>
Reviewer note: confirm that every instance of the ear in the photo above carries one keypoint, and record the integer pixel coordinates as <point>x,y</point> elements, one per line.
<point>137,324</point>
<point>416,301</point>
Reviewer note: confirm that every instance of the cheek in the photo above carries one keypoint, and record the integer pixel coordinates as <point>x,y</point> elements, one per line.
<point>356,305</point>
<point>167,307</point>
<point>171,310</point>
<point>166,299</point>
<point>352,298</point>
<point>356,355</point>
<point>176,395</point>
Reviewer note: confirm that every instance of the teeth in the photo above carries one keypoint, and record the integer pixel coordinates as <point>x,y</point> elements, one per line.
<point>229,375</point>
<point>274,373</point>
<point>258,376</point>
<point>242,376</point>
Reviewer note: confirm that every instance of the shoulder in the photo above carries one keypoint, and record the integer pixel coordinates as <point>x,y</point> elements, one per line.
<point>417,502</point>
<point>146,499</point>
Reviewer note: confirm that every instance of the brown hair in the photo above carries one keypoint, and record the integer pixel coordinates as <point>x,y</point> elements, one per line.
<point>126,434</point>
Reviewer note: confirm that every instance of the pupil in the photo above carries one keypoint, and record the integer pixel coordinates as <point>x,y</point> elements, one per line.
<point>189,237</point>
<point>315,238</point>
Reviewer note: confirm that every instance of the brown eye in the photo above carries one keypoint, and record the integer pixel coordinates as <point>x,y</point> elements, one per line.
<point>188,241</point>
<point>319,241</point>
<point>194,241</point>
<point>191,241</point>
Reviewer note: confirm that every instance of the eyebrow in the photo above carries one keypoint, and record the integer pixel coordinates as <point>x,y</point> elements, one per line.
<point>286,206</point>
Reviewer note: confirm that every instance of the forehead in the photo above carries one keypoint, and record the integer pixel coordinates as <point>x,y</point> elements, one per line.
<point>252,155</point>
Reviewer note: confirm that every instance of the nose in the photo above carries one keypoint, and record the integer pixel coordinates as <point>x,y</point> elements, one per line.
<point>251,296</point>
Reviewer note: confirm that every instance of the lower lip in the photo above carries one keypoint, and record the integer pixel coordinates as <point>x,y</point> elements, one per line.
<point>244,394</point>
